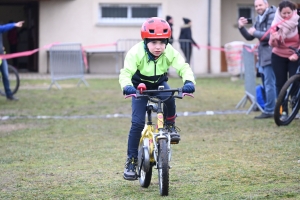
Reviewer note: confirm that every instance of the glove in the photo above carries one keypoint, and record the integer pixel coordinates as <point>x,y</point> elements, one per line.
<point>129,89</point>
<point>188,87</point>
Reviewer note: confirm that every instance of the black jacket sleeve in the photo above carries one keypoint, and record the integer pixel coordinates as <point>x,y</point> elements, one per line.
<point>245,34</point>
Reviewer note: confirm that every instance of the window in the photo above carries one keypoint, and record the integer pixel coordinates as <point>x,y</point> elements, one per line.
<point>246,11</point>
<point>124,14</point>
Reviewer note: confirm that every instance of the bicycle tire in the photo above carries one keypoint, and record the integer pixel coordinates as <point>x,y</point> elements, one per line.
<point>163,167</point>
<point>145,169</point>
<point>14,81</point>
<point>289,101</point>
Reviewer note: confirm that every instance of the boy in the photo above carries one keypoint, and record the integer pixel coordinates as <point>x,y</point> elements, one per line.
<point>148,62</point>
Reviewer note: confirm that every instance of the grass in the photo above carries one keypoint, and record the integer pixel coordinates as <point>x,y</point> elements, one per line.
<point>228,156</point>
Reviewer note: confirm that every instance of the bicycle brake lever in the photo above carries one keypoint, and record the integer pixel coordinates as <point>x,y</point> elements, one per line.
<point>188,94</point>
<point>130,95</point>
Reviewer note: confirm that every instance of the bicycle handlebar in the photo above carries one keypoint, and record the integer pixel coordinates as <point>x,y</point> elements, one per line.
<point>151,96</point>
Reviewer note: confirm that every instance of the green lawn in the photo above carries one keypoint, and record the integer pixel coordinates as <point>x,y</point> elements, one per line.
<point>228,156</point>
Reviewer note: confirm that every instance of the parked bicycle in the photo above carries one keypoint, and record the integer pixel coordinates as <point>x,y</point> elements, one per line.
<point>288,101</point>
<point>14,80</point>
<point>155,143</point>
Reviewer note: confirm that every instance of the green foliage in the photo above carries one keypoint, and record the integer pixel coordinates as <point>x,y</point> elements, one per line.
<point>228,156</point>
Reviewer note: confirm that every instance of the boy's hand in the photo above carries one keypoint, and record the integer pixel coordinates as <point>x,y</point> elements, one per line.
<point>188,87</point>
<point>129,89</point>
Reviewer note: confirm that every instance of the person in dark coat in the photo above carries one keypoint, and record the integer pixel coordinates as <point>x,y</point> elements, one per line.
<point>169,19</point>
<point>186,40</point>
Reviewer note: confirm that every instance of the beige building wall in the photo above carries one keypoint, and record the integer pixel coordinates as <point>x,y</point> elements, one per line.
<point>77,21</point>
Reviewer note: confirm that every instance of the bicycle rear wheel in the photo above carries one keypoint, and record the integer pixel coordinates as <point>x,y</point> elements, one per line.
<point>144,165</point>
<point>14,81</point>
<point>163,167</point>
<point>287,105</point>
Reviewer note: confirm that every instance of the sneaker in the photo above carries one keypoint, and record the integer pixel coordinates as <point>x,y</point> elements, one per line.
<point>12,98</point>
<point>173,131</point>
<point>264,116</point>
<point>130,169</point>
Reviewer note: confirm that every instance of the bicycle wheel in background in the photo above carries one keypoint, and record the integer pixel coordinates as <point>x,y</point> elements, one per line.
<point>163,167</point>
<point>287,105</point>
<point>14,81</point>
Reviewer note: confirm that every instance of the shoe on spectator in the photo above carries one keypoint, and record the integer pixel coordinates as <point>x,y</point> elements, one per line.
<point>264,116</point>
<point>12,98</point>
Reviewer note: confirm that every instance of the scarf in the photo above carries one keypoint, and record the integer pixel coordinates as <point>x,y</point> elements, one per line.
<point>288,28</point>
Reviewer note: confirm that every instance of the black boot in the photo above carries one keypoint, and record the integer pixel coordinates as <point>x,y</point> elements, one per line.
<point>173,131</point>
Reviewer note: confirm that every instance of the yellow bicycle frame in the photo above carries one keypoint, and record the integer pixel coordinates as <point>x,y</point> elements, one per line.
<point>148,132</point>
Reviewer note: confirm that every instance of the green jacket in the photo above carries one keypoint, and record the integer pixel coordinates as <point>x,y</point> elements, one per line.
<point>138,69</point>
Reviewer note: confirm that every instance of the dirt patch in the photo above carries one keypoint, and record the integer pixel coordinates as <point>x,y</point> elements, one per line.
<point>7,128</point>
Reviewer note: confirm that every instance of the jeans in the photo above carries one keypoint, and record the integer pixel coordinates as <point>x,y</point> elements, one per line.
<point>270,88</point>
<point>139,117</point>
<point>5,80</point>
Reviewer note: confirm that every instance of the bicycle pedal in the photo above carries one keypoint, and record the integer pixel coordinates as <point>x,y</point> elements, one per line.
<point>175,140</point>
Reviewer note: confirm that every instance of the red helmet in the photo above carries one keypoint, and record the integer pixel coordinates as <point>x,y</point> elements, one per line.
<point>155,28</point>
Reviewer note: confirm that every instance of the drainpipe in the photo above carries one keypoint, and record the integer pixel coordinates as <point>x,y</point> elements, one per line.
<point>208,37</point>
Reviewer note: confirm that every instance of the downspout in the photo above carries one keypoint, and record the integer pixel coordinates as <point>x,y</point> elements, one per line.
<point>208,37</point>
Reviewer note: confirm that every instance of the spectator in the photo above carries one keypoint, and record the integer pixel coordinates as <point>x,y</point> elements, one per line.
<point>187,40</point>
<point>284,34</point>
<point>262,24</point>
<point>169,19</point>
<point>3,65</point>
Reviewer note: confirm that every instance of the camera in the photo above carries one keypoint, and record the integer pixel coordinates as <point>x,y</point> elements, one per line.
<point>249,20</point>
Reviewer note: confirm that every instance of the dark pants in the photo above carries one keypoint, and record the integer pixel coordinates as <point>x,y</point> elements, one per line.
<point>283,68</point>
<point>187,51</point>
<point>139,116</point>
<point>13,49</point>
<point>5,80</point>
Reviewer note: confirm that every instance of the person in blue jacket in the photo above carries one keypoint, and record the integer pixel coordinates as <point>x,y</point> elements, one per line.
<point>3,65</point>
<point>148,62</point>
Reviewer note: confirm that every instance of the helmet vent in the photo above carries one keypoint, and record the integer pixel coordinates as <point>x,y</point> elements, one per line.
<point>151,30</point>
<point>151,21</point>
<point>165,30</point>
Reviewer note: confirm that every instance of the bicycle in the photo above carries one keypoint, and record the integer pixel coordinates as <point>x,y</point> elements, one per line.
<point>155,143</point>
<point>288,101</point>
<point>14,80</point>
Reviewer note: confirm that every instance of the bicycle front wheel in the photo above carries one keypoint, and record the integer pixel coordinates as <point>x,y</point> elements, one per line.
<point>14,81</point>
<point>287,105</point>
<point>163,167</point>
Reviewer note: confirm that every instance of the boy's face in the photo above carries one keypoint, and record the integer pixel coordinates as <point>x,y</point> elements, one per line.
<point>156,47</point>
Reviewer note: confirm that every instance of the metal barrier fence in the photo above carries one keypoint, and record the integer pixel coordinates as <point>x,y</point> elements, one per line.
<point>183,46</point>
<point>248,59</point>
<point>66,62</point>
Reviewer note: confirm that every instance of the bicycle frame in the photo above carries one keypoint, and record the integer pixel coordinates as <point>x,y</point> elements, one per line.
<point>152,134</point>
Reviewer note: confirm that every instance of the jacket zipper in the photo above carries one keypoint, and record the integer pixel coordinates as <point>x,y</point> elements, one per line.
<point>154,68</point>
